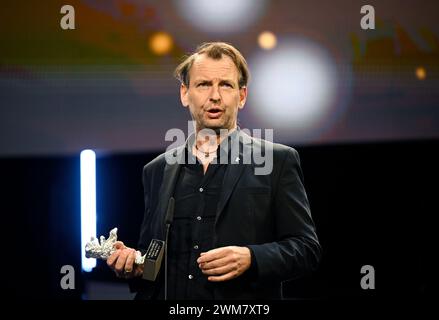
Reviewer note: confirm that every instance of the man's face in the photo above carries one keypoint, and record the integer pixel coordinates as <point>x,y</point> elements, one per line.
<point>213,95</point>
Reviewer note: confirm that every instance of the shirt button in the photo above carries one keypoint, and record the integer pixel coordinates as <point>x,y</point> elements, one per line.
<point>201,189</point>
<point>196,247</point>
<point>198,218</point>
<point>190,277</point>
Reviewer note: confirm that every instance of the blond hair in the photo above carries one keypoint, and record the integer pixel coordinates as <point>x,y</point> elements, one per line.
<point>214,50</point>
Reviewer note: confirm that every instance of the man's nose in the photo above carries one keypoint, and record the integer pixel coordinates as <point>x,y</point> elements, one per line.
<point>215,94</point>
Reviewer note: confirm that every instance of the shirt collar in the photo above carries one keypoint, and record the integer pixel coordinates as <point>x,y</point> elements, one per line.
<point>224,147</point>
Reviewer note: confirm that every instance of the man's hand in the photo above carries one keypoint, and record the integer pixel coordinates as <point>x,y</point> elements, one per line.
<point>226,263</point>
<point>122,262</point>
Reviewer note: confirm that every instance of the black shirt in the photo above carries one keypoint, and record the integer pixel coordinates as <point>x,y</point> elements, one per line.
<point>196,199</point>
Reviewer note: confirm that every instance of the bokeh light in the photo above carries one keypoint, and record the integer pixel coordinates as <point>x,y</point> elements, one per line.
<point>294,86</point>
<point>161,43</point>
<point>267,40</point>
<point>221,16</point>
<point>421,73</point>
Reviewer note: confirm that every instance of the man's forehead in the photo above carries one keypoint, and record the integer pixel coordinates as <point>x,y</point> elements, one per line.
<point>206,67</point>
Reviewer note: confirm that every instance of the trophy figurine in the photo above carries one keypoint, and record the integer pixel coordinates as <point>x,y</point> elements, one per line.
<point>104,249</point>
<point>151,260</point>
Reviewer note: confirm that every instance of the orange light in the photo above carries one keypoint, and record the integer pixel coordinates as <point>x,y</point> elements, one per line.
<point>161,43</point>
<point>267,40</point>
<point>421,73</point>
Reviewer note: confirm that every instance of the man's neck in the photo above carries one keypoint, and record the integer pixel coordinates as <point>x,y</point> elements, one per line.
<point>218,138</point>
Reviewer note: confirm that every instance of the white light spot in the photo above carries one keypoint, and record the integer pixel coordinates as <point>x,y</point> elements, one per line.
<point>293,85</point>
<point>221,16</point>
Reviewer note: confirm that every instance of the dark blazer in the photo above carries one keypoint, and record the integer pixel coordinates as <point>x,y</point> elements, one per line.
<point>268,213</point>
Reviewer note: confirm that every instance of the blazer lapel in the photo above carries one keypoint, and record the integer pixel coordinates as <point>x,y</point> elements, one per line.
<point>167,188</point>
<point>233,172</point>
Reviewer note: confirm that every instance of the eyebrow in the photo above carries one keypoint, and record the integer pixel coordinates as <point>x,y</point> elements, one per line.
<point>222,81</point>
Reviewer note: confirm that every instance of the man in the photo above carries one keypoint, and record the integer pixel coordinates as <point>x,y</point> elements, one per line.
<point>236,234</point>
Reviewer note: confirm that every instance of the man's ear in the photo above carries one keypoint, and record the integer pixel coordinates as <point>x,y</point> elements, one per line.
<point>242,97</point>
<point>183,95</point>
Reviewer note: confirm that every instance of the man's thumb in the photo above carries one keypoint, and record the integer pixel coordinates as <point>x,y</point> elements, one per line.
<point>118,245</point>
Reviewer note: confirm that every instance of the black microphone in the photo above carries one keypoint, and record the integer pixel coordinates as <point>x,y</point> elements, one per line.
<point>168,221</point>
<point>154,254</point>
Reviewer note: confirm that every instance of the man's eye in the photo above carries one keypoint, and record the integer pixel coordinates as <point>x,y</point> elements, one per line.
<point>228,85</point>
<point>203,84</point>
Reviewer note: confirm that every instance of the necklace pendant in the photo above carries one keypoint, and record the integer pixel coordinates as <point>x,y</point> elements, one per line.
<point>206,154</point>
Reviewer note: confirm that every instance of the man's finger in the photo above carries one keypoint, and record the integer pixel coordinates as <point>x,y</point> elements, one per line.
<point>215,263</point>
<point>130,261</point>
<point>120,264</point>
<point>213,254</point>
<point>112,259</point>
<point>224,277</point>
<point>218,271</point>
<point>138,270</point>
<point>119,245</point>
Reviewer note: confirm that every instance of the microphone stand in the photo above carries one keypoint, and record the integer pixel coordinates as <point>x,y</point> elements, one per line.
<point>168,221</point>
<point>166,261</point>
